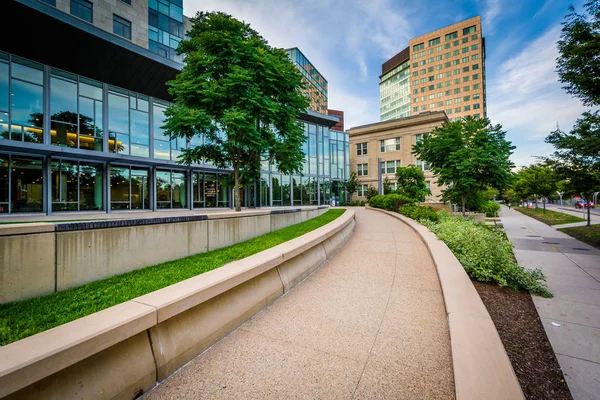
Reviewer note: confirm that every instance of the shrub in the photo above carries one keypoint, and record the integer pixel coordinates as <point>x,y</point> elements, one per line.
<point>354,203</point>
<point>390,202</point>
<point>486,255</point>
<point>371,192</point>
<point>491,208</point>
<point>419,213</point>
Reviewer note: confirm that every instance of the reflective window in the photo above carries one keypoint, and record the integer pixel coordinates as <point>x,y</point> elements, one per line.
<point>63,111</point>
<point>222,191</point>
<point>129,188</point>
<point>82,9</point>
<point>171,189</point>
<point>3,85</point>
<point>121,27</point>
<point>21,188</point>
<point>27,102</point>
<point>76,186</point>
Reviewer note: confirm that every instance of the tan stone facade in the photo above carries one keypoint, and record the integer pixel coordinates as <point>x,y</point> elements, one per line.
<point>103,10</point>
<point>449,75</point>
<point>401,133</point>
<point>443,70</point>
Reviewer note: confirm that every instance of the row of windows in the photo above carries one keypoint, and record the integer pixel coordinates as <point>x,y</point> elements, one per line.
<point>438,48</point>
<point>440,104</point>
<point>448,55</point>
<point>84,9</point>
<point>432,78</point>
<point>439,85</point>
<point>165,27</point>
<point>476,96</point>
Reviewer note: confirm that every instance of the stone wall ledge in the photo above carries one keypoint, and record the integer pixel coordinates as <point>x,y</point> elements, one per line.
<point>58,362</point>
<point>482,369</point>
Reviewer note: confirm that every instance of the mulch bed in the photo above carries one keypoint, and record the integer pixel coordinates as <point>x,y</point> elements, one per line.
<point>525,341</point>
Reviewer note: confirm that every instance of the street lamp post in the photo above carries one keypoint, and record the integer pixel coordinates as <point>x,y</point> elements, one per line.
<point>560,194</point>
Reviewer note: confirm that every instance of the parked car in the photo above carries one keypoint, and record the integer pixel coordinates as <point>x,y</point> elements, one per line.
<point>584,204</point>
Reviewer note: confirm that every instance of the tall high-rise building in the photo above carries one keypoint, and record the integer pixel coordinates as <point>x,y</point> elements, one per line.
<point>443,70</point>
<point>315,84</point>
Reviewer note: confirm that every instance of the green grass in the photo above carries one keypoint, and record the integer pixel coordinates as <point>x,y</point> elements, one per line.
<point>21,319</point>
<point>587,234</point>
<point>550,217</point>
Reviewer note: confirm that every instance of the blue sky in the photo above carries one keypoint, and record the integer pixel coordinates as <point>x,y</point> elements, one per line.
<point>348,40</point>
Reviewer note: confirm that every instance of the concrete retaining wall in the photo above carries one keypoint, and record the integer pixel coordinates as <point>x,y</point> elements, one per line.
<point>482,369</point>
<point>125,350</point>
<point>39,259</point>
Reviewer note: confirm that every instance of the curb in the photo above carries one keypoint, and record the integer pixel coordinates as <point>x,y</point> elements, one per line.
<point>482,369</point>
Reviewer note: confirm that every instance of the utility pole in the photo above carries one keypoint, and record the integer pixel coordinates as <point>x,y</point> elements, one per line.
<point>560,194</point>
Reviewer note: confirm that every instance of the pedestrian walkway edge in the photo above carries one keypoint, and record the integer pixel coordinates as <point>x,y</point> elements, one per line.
<point>482,369</point>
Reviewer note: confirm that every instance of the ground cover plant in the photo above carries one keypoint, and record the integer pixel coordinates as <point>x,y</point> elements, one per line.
<point>587,234</point>
<point>25,318</point>
<point>390,202</point>
<point>549,217</point>
<point>485,254</point>
<point>491,209</point>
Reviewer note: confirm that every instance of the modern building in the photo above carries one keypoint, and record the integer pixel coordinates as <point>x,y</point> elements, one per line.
<point>443,70</point>
<point>340,114</point>
<point>81,110</point>
<point>315,84</point>
<point>376,150</point>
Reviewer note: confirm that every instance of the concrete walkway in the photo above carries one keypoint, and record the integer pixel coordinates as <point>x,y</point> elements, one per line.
<point>370,323</point>
<point>572,318</point>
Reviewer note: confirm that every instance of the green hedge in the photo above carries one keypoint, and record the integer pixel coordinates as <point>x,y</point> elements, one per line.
<point>491,208</point>
<point>390,202</point>
<point>419,213</point>
<point>486,255</point>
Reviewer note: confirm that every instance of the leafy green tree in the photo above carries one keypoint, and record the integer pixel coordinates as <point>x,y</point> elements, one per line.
<point>540,181</point>
<point>579,45</point>
<point>387,185</point>
<point>411,182</point>
<point>351,185</point>
<point>241,95</point>
<point>468,156</point>
<point>371,192</point>
<point>576,158</point>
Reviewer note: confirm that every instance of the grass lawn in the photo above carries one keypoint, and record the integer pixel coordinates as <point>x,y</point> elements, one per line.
<point>21,319</point>
<point>587,234</point>
<point>550,217</point>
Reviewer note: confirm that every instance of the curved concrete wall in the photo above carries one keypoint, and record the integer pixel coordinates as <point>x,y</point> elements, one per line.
<point>125,350</point>
<point>39,259</point>
<point>482,369</point>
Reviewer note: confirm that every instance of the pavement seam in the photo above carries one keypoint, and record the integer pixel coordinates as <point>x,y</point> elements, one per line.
<point>577,358</point>
<point>382,317</point>
<point>550,319</point>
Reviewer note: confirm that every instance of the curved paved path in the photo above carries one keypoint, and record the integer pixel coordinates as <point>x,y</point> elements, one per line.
<point>369,324</point>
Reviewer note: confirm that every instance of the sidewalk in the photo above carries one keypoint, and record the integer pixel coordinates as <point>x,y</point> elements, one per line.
<point>371,323</point>
<point>572,318</point>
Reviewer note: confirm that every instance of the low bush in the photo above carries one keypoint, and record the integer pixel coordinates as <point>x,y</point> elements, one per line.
<point>491,208</point>
<point>390,202</point>
<point>419,213</point>
<point>486,255</point>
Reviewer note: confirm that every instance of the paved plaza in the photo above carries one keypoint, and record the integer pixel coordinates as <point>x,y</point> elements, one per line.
<point>572,318</point>
<point>370,323</point>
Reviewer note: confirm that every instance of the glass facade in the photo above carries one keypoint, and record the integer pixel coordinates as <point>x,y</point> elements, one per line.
<point>165,27</point>
<point>134,166</point>
<point>394,93</point>
<point>315,84</point>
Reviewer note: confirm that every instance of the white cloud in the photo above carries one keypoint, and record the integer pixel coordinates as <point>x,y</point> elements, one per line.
<point>339,37</point>
<point>491,12</point>
<point>526,97</point>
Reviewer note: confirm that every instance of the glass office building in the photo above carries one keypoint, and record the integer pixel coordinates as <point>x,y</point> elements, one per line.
<point>84,133</point>
<point>315,84</point>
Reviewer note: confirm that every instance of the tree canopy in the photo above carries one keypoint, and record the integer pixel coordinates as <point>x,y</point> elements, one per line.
<point>537,180</point>
<point>411,183</point>
<point>578,63</point>
<point>577,155</point>
<point>468,156</point>
<point>238,97</point>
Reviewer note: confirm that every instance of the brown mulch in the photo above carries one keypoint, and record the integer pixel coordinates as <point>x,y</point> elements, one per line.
<point>525,341</point>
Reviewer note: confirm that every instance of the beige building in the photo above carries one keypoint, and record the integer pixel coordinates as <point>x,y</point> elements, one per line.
<point>391,142</point>
<point>443,70</point>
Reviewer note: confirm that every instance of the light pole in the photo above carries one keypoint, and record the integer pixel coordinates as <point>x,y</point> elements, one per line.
<point>595,198</point>
<point>560,194</point>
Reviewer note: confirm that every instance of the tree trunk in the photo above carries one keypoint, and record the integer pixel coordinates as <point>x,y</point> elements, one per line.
<point>544,201</point>
<point>589,223</point>
<point>463,205</point>
<point>236,187</point>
